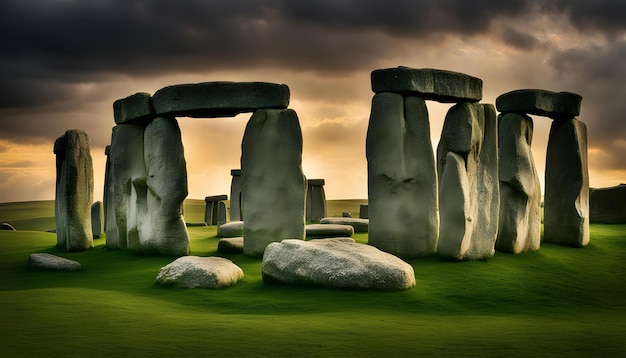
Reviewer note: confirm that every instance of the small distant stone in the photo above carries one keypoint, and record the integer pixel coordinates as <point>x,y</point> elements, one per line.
<point>437,85</point>
<point>49,262</point>
<point>346,214</point>
<point>136,108</point>
<point>196,224</point>
<point>230,245</point>
<point>328,230</point>
<point>555,105</point>
<point>359,225</point>
<point>7,226</point>
<point>200,272</point>
<point>231,229</point>
<point>219,99</point>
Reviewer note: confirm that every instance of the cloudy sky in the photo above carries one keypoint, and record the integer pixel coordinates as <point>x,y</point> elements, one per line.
<point>64,62</point>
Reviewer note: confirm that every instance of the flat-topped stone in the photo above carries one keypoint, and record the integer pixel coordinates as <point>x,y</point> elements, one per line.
<point>216,198</point>
<point>328,230</point>
<point>231,229</point>
<point>359,225</point>
<point>437,85</point>
<point>555,105</point>
<point>136,108</point>
<point>200,272</point>
<point>230,245</point>
<point>219,99</point>
<point>49,262</point>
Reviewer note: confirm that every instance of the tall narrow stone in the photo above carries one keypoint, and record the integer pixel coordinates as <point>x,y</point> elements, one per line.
<point>110,227</point>
<point>273,185</point>
<point>566,200</point>
<point>74,191</point>
<point>163,230</point>
<point>96,219</point>
<point>402,177</point>
<point>519,229</point>
<point>469,194</point>
<point>315,200</point>
<point>235,196</point>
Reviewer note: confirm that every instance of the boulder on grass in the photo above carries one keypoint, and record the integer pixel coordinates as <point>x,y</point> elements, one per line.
<point>230,245</point>
<point>359,225</point>
<point>231,229</point>
<point>199,272</point>
<point>336,263</point>
<point>320,231</point>
<point>49,262</point>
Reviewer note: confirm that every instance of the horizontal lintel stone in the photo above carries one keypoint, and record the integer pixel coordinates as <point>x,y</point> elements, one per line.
<point>316,182</point>
<point>555,105</point>
<point>135,108</point>
<point>216,198</point>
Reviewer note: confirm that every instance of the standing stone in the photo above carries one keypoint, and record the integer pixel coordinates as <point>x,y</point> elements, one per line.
<point>608,205</point>
<point>519,229</point>
<point>221,213</point>
<point>163,230</point>
<point>273,185</point>
<point>364,211</point>
<point>315,200</point>
<point>110,228</point>
<point>211,211</point>
<point>469,193</point>
<point>566,203</point>
<point>74,191</point>
<point>402,177</point>
<point>96,219</point>
<point>235,196</point>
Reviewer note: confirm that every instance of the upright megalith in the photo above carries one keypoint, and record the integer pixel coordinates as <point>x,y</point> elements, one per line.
<point>469,194</point>
<point>110,227</point>
<point>163,230</point>
<point>273,185</point>
<point>235,196</point>
<point>608,205</point>
<point>74,191</point>
<point>96,219</point>
<point>315,200</point>
<point>519,229</point>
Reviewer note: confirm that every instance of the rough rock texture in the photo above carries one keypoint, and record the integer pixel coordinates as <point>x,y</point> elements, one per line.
<point>315,200</point>
<point>320,231</point>
<point>519,227</point>
<point>219,99</point>
<point>231,229</point>
<point>608,205</point>
<point>402,177</point>
<point>163,229</point>
<point>469,195</point>
<point>136,108</point>
<point>7,226</point>
<point>437,85</point>
<point>110,226</point>
<point>359,225</point>
<point>200,272</point>
<point>74,191</point>
<point>335,263</point>
<point>96,219</point>
<point>556,105</point>
<point>566,199</point>
<point>231,245</point>
<point>49,262</point>
<point>235,196</point>
<point>273,185</point>
<point>211,211</point>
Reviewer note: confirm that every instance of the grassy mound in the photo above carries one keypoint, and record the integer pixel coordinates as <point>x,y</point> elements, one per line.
<point>557,301</point>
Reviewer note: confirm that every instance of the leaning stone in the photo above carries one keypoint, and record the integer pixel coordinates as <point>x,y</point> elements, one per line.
<point>402,177</point>
<point>519,227</point>
<point>566,202</point>
<point>231,229</point>
<point>273,185</point>
<point>219,99</point>
<point>136,108</point>
<point>335,263</point>
<point>7,226</point>
<point>200,272</point>
<point>74,191</point>
<point>556,105</point>
<point>49,262</point>
<point>96,219</point>
<point>319,231</point>
<point>359,225</point>
<point>608,205</point>
<point>231,245</point>
<point>430,84</point>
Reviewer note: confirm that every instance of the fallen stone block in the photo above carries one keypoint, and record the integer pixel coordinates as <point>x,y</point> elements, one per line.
<point>555,105</point>
<point>200,272</point>
<point>328,230</point>
<point>231,229</point>
<point>49,262</point>
<point>359,225</point>
<point>230,245</point>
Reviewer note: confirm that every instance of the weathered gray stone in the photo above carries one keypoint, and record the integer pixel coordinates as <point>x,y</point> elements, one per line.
<point>136,108</point>
<point>231,229</point>
<point>566,199</point>
<point>108,202</point>
<point>211,211</point>
<point>7,227</point>
<point>359,225</point>
<point>556,105</point>
<point>74,191</point>
<point>402,177</point>
<point>200,272</point>
<point>519,227</point>
<point>219,99</point>
<point>364,211</point>
<point>96,219</point>
<point>221,213</point>
<point>273,185</point>
<point>437,85</point>
<point>469,195</point>
<point>163,230</point>
<point>235,196</point>
<point>315,200</point>
<point>320,231</point>
<point>49,262</point>
<point>608,205</point>
<point>230,245</point>
<point>335,263</point>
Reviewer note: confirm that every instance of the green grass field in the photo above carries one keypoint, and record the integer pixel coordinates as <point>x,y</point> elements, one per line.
<point>557,301</point>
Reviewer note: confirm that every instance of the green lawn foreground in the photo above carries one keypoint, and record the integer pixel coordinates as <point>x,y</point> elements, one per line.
<point>557,301</point>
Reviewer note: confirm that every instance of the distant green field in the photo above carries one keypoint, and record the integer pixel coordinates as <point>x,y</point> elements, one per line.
<point>555,302</point>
